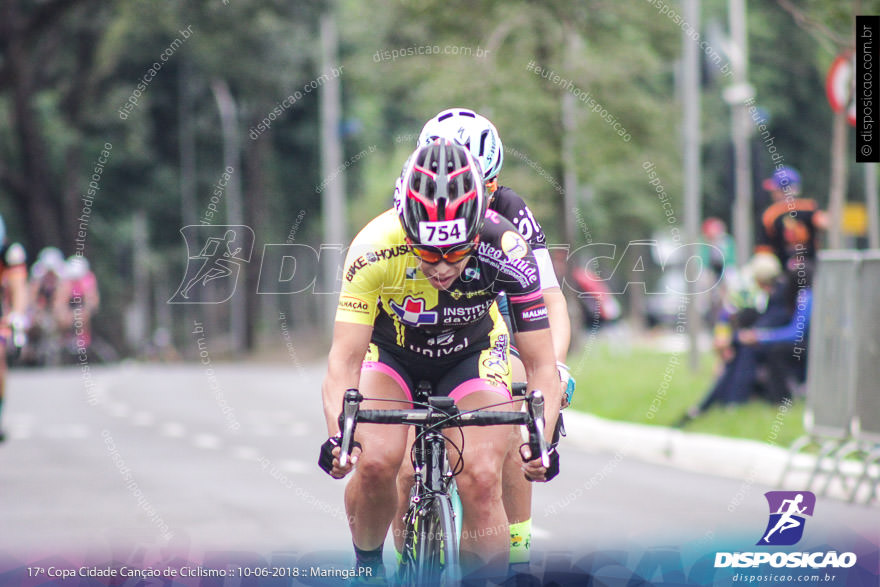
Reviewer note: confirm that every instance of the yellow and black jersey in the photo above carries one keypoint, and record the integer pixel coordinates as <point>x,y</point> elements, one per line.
<point>382,286</point>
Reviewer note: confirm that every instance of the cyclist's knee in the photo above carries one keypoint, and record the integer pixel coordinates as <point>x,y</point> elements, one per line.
<point>405,478</point>
<point>479,483</point>
<point>376,471</point>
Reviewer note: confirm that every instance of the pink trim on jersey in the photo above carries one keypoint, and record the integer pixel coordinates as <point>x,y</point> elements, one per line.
<point>525,298</point>
<point>84,286</point>
<point>383,368</point>
<point>473,385</point>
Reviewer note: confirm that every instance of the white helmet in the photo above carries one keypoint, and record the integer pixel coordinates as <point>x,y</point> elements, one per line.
<point>469,129</point>
<point>49,259</point>
<point>77,267</point>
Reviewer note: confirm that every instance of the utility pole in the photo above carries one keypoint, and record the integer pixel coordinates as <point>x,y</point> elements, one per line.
<point>333,199</point>
<point>569,133</point>
<point>871,204</point>
<point>234,209</point>
<point>737,95</point>
<point>691,106</point>
<point>837,192</point>
<point>187,138</point>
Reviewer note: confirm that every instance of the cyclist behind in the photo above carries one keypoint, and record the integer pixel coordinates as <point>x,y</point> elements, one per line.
<point>45,278</point>
<point>76,301</point>
<point>418,302</point>
<point>479,135</point>
<point>13,302</point>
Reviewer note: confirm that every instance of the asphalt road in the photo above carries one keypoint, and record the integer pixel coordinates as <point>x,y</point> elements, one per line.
<point>145,460</point>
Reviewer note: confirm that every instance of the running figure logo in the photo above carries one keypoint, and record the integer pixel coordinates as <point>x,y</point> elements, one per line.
<point>221,252</point>
<point>787,511</point>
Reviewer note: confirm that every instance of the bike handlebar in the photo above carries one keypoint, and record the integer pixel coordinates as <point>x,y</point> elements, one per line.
<point>536,432</point>
<point>443,417</point>
<point>350,404</point>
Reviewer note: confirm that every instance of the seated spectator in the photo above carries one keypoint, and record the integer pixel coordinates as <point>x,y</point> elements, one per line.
<point>763,343</point>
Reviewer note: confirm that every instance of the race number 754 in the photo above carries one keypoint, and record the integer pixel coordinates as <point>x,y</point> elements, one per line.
<point>442,233</point>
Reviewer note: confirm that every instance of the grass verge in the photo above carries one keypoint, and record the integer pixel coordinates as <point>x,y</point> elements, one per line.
<point>646,386</point>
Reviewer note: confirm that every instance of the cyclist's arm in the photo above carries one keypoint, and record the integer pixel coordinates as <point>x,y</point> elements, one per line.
<point>17,281</point>
<point>350,342</point>
<point>560,326</point>
<point>513,207</point>
<point>61,303</point>
<point>15,278</point>
<point>537,356</point>
<point>93,296</point>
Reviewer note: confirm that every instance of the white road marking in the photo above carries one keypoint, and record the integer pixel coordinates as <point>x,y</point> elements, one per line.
<point>298,429</point>
<point>298,467</point>
<point>207,441</point>
<point>247,453</point>
<point>59,432</point>
<point>143,419</point>
<point>118,410</point>
<point>172,430</point>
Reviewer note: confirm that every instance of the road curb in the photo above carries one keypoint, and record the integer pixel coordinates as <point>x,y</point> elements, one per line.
<point>746,460</point>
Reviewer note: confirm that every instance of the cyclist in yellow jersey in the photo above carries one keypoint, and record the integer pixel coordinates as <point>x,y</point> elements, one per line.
<point>418,303</point>
<point>481,138</point>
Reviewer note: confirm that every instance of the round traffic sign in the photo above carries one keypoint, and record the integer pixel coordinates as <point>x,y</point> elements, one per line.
<point>840,85</point>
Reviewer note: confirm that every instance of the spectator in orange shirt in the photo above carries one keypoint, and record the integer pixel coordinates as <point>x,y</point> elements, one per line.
<point>791,224</point>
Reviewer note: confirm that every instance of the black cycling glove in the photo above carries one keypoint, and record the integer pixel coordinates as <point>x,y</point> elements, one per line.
<point>552,453</point>
<point>553,469</point>
<point>325,458</point>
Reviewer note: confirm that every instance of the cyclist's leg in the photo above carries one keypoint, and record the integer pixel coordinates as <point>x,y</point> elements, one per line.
<point>370,497</point>
<point>485,534</point>
<point>516,489</point>
<point>479,380</point>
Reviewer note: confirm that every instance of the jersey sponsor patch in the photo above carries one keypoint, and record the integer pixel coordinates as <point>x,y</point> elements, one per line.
<point>471,273</point>
<point>514,245</point>
<point>353,304</point>
<point>440,351</point>
<point>374,256</point>
<point>466,314</point>
<point>412,312</point>
<point>496,362</point>
<point>535,313</point>
<point>442,233</point>
<point>442,339</point>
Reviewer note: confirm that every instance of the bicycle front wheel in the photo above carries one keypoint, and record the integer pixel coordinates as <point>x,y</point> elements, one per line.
<point>435,544</point>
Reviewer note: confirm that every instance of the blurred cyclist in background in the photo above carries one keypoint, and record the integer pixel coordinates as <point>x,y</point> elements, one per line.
<point>76,301</point>
<point>13,303</point>
<point>46,276</point>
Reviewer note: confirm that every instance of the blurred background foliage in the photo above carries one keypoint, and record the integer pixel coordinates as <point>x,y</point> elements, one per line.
<point>67,67</point>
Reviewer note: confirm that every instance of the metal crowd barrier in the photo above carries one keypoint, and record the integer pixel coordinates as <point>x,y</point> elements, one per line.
<point>866,427</point>
<point>842,413</point>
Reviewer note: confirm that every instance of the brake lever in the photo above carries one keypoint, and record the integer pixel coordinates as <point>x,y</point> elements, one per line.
<point>537,438</point>
<point>350,404</point>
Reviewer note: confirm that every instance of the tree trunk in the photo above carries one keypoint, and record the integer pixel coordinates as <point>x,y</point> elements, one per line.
<point>39,206</point>
<point>255,217</point>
